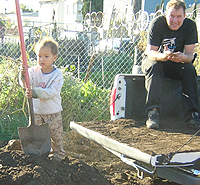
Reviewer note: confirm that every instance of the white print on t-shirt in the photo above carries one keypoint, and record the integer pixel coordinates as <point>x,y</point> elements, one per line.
<point>42,84</point>
<point>170,43</point>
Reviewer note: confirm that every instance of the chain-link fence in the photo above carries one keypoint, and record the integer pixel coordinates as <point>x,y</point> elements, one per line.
<point>89,60</point>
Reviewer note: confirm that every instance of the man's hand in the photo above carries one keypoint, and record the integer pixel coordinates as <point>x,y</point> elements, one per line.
<point>177,57</point>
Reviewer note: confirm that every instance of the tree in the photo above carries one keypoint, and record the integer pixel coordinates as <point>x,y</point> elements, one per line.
<point>24,8</point>
<point>137,5</point>
<point>96,6</point>
<point>157,7</point>
<point>162,5</point>
<point>195,10</point>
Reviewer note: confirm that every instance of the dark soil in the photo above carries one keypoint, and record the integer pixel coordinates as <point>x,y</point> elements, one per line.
<point>88,163</point>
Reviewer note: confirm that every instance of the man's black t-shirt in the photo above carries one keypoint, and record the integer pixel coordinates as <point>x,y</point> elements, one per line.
<point>160,34</point>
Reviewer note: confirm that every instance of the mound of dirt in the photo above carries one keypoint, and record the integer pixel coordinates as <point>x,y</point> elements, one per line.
<point>18,168</point>
<point>87,162</point>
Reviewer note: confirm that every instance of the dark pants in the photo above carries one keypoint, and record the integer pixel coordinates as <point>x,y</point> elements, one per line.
<point>186,73</point>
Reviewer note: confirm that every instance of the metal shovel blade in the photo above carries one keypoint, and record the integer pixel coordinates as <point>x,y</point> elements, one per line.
<point>35,139</point>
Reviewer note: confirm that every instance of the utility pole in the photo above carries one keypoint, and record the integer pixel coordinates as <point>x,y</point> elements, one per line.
<point>142,5</point>
<point>90,29</point>
<point>137,5</point>
<point>90,7</point>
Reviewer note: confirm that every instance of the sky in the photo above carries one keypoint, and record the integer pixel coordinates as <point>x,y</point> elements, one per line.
<point>151,4</point>
<point>10,5</point>
<point>34,4</point>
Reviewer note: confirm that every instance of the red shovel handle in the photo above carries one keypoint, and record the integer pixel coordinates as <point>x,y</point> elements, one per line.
<point>24,59</point>
<point>22,45</point>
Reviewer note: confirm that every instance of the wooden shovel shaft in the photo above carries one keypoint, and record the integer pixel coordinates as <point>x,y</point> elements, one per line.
<point>22,43</point>
<point>24,59</point>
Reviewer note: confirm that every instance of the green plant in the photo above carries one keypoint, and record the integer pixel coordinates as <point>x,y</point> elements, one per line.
<point>11,95</point>
<point>12,107</point>
<point>82,101</point>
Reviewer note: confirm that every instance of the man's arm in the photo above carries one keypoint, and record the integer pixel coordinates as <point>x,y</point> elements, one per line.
<point>154,54</point>
<point>185,57</point>
<point>177,57</point>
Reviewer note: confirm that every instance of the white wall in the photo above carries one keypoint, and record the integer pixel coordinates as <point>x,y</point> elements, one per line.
<point>46,11</point>
<point>71,15</point>
<point>66,13</point>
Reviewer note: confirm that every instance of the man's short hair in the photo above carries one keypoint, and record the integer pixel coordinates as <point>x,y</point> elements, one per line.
<point>176,4</point>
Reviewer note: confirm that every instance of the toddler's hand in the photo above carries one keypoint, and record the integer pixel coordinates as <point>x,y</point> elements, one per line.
<point>28,93</point>
<point>23,69</point>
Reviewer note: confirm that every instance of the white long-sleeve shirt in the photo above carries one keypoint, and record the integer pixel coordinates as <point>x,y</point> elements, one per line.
<point>46,88</point>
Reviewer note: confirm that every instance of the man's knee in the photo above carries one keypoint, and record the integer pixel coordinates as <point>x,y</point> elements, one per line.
<point>190,69</point>
<point>156,69</point>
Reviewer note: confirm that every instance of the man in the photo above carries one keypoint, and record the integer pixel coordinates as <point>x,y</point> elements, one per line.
<point>171,41</point>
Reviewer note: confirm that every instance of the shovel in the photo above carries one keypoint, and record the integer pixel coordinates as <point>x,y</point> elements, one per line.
<point>34,139</point>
